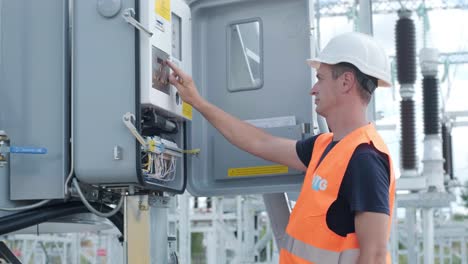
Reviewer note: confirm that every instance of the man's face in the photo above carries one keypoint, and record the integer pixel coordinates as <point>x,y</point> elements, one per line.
<point>325,90</point>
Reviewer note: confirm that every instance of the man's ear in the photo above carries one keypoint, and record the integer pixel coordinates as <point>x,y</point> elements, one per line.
<point>348,81</point>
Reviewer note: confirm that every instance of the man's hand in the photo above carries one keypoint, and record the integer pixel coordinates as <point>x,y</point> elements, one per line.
<point>184,85</point>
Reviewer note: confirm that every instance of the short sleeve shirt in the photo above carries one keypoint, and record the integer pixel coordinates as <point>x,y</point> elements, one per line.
<point>365,185</point>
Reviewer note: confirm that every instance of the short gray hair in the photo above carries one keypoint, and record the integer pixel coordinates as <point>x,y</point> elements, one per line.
<point>367,84</point>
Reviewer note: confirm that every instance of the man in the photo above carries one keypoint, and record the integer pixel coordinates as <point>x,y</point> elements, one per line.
<point>344,210</point>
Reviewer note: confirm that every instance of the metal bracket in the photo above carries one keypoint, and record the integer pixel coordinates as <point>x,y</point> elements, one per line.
<point>127,119</point>
<point>129,16</point>
<point>425,200</point>
<point>305,128</point>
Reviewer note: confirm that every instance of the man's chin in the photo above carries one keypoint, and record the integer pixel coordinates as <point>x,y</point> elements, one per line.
<point>317,110</point>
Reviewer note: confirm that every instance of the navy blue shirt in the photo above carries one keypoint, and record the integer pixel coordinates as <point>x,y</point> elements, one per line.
<point>364,187</point>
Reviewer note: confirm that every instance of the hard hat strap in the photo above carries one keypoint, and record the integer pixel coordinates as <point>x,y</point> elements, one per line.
<point>367,83</point>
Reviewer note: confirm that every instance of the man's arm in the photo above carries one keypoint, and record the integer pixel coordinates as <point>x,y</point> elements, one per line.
<point>241,134</point>
<point>368,196</point>
<point>371,231</point>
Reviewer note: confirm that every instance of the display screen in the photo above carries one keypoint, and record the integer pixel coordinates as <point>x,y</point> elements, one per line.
<point>160,71</point>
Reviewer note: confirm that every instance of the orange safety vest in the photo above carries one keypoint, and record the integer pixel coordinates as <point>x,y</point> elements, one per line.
<point>308,238</point>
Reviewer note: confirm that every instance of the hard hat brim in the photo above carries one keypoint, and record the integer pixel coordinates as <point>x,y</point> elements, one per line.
<point>315,63</point>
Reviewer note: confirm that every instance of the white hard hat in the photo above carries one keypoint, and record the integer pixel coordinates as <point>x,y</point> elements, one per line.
<point>360,50</point>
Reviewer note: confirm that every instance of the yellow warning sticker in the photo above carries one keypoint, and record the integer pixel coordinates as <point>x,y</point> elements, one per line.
<point>257,171</point>
<point>187,111</point>
<point>163,8</point>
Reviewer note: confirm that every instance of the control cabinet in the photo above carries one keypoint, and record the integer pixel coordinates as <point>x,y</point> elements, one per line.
<point>128,120</point>
<point>88,83</point>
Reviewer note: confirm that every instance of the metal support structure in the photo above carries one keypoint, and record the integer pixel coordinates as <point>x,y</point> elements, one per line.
<point>394,239</point>
<point>145,235</point>
<point>278,211</point>
<point>231,231</point>
<point>6,256</point>
<point>216,249</point>
<point>76,249</point>
<point>425,200</point>
<point>219,207</point>
<point>249,231</point>
<point>441,252</point>
<point>4,169</point>
<point>263,242</point>
<point>343,7</point>
<point>460,57</point>
<point>212,240</point>
<point>365,25</point>
<point>450,243</point>
<point>211,251</point>
<point>5,173</point>
<point>239,221</point>
<point>412,235</point>
<point>463,255</point>
<point>314,38</point>
<point>428,234</point>
<point>184,229</point>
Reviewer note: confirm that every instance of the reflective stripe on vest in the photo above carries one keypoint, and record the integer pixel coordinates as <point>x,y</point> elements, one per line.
<point>317,255</point>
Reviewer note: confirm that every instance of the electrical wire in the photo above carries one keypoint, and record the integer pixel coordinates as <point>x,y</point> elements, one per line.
<point>91,208</point>
<point>44,249</point>
<point>24,219</point>
<point>402,5</point>
<point>191,151</point>
<point>26,207</point>
<point>161,167</point>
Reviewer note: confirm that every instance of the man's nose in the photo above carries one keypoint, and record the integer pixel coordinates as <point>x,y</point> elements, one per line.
<point>313,90</point>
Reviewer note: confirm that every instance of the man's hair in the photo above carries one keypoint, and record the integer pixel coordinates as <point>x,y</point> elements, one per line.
<point>367,84</point>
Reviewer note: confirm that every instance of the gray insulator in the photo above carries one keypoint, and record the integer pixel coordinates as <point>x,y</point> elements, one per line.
<point>408,135</point>
<point>431,105</point>
<point>405,49</point>
<point>447,150</point>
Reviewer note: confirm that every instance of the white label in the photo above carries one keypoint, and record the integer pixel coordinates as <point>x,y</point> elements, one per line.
<point>273,122</point>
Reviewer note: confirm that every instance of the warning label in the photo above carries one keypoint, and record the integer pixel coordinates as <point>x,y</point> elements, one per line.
<point>187,111</point>
<point>163,8</point>
<point>257,171</point>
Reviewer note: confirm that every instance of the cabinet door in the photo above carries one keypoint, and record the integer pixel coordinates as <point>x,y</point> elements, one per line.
<point>249,59</point>
<point>34,95</point>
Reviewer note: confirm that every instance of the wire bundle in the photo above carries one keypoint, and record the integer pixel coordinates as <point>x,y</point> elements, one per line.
<point>159,160</point>
<point>160,166</point>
